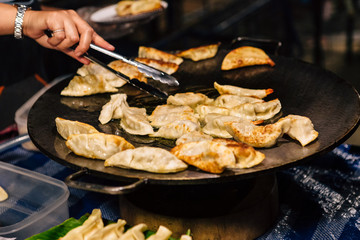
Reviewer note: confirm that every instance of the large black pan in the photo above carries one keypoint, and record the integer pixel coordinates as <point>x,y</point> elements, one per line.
<point>331,103</point>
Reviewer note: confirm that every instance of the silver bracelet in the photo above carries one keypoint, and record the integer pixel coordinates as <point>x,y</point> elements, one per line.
<point>18,31</point>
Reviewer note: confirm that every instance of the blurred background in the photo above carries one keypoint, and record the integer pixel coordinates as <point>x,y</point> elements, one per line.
<point>322,32</point>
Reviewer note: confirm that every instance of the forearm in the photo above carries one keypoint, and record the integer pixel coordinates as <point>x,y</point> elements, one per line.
<point>7,19</point>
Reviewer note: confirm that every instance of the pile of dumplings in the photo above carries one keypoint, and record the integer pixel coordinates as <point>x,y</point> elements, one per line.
<point>210,134</point>
<point>93,228</point>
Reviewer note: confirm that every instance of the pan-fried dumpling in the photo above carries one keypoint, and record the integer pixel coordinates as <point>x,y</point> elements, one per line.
<point>242,92</point>
<point>186,237</point>
<point>208,156</point>
<point>97,145</point>
<point>194,136</point>
<point>161,110</point>
<point>161,120</point>
<point>257,111</point>
<point>135,233</point>
<point>128,70</point>
<point>215,125</point>
<point>246,56</point>
<point>153,53</point>
<point>88,229</point>
<point>112,109</point>
<point>200,53</point>
<point>231,101</point>
<point>126,8</point>
<point>68,127</point>
<point>189,99</point>
<point>88,85</point>
<point>3,194</point>
<point>162,233</point>
<point>245,155</point>
<point>256,136</point>
<point>113,231</point>
<point>150,159</point>
<point>176,129</point>
<point>204,110</point>
<point>135,121</point>
<point>167,67</point>
<point>99,71</point>
<point>300,128</point>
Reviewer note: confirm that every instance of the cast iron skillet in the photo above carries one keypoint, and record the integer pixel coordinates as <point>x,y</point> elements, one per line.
<point>303,89</point>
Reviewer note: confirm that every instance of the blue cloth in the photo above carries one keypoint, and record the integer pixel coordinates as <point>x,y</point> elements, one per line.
<point>318,200</point>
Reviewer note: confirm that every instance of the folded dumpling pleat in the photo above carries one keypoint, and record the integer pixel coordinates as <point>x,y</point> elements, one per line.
<point>243,92</point>
<point>150,159</point>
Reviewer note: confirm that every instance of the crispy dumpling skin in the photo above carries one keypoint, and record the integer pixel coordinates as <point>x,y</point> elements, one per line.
<point>231,101</point>
<point>257,111</point>
<point>246,56</point>
<point>208,156</point>
<point>167,67</point>
<point>128,70</point>
<point>83,86</point>
<point>153,53</point>
<point>150,159</point>
<point>200,53</point>
<point>97,145</point>
<point>190,99</point>
<point>243,92</point>
<point>68,127</point>
<point>176,129</point>
<point>245,155</point>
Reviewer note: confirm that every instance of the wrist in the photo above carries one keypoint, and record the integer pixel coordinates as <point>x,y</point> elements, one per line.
<point>19,20</point>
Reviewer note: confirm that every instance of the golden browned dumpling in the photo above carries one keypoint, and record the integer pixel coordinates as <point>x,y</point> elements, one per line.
<point>3,194</point>
<point>167,67</point>
<point>153,53</point>
<point>97,145</point>
<point>246,56</point>
<point>68,127</point>
<point>242,92</point>
<point>200,53</point>
<point>208,156</point>
<point>125,8</point>
<point>128,70</point>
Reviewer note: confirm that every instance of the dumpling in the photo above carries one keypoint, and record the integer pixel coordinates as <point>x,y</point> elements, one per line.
<point>245,155</point>
<point>68,127</point>
<point>113,109</point>
<point>135,233</point>
<point>200,53</point>
<point>243,92</point>
<point>162,233</point>
<point>208,156</point>
<point>189,99</point>
<point>186,237</point>
<point>194,136</point>
<point>125,8</point>
<point>135,121</point>
<point>153,53</point>
<point>257,111</point>
<point>300,128</point>
<point>246,56</point>
<point>113,230</point>
<point>128,70</point>
<point>204,110</point>
<point>3,194</point>
<point>215,125</point>
<point>97,145</point>
<point>231,101</point>
<point>256,136</point>
<point>176,129</point>
<point>167,67</point>
<point>161,120</point>
<point>99,71</point>
<point>92,226</point>
<point>161,110</point>
<point>88,85</point>
<point>148,159</point>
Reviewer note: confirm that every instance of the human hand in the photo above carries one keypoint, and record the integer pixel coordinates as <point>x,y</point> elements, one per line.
<point>67,27</point>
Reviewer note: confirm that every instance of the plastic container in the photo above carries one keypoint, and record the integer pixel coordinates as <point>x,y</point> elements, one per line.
<point>36,202</point>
